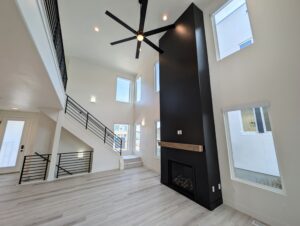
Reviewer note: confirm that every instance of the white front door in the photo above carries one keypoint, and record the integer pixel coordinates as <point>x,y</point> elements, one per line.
<point>12,143</point>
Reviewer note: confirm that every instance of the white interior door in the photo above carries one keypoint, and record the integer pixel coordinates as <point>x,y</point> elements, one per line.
<point>12,143</point>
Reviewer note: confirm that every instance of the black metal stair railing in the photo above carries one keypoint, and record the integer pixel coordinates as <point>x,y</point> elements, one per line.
<point>71,163</point>
<point>35,167</point>
<point>86,119</point>
<point>51,7</point>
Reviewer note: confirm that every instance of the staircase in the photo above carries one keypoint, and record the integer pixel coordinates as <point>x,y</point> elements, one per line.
<point>92,124</point>
<point>132,161</point>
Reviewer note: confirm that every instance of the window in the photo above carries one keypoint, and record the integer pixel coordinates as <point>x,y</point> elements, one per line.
<point>137,137</point>
<point>157,138</point>
<point>252,154</point>
<point>123,90</point>
<point>122,131</point>
<point>138,89</point>
<point>232,28</point>
<point>157,77</point>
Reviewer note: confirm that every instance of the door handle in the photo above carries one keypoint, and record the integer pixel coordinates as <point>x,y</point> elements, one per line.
<point>22,148</point>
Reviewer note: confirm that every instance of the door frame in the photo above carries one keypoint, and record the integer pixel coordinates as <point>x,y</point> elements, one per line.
<point>25,140</point>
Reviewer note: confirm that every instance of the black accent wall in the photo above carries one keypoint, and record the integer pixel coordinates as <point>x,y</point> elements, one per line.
<point>186,104</point>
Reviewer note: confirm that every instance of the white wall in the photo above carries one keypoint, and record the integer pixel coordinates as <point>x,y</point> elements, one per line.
<point>87,79</point>
<point>251,150</point>
<point>266,71</point>
<point>148,110</point>
<point>70,143</point>
<point>39,132</point>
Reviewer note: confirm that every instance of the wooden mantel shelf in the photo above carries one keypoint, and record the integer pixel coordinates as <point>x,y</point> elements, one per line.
<point>186,147</point>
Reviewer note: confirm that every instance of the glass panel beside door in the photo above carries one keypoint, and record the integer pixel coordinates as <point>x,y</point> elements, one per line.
<point>12,132</point>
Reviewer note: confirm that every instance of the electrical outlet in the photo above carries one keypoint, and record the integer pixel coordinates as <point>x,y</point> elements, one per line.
<point>179,132</point>
<point>219,186</point>
<point>213,188</point>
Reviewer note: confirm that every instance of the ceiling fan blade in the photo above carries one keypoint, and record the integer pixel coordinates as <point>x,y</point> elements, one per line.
<point>153,45</point>
<point>144,4</point>
<point>158,30</point>
<point>123,40</point>
<point>138,49</point>
<point>120,22</point>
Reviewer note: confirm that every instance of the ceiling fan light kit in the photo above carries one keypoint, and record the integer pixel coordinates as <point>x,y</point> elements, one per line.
<point>140,35</point>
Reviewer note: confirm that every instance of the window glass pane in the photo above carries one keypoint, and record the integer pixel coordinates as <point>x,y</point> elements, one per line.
<point>122,131</point>
<point>157,124</point>
<point>233,28</point>
<point>123,90</point>
<point>253,154</point>
<point>138,137</point>
<point>11,143</point>
<point>157,75</point>
<point>138,89</point>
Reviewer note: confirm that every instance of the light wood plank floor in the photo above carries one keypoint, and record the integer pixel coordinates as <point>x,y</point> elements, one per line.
<point>130,197</point>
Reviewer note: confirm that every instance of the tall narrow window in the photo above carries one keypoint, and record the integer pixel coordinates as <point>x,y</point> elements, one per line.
<point>138,89</point>
<point>157,77</point>
<point>253,153</point>
<point>137,137</point>
<point>232,28</point>
<point>157,138</point>
<point>122,131</point>
<point>123,90</point>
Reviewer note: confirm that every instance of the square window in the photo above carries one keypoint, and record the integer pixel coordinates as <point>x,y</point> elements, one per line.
<point>157,138</point>
<point>123,90</point>
<point>137,137</point>
<point>138,89</point>
<point>122,131</point>
<point>156,77</point>
<point>232,28</point>
<point>253,156</point>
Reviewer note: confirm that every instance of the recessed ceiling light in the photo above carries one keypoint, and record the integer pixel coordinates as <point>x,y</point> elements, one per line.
<point>165,17</point>
<point>97,29</point>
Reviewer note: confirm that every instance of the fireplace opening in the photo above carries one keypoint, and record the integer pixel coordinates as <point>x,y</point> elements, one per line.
<point>182,178</point>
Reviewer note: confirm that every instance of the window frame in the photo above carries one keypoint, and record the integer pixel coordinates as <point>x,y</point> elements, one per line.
<point>156,88</point>
<point>156,141</point>
<point>130,90</point>
<point>136,89</point>
<point>215,34</point>
<point>135,132</point>
<point>233,177</point>
<point>128,136</point>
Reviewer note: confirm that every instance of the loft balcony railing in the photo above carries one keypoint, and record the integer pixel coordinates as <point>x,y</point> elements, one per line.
<point>51,7</point>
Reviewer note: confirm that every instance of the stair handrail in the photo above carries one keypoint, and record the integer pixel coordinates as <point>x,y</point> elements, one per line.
<point>88,116</point>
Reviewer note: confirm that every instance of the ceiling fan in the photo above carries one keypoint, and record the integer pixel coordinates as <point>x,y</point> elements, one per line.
<point>140,35</point>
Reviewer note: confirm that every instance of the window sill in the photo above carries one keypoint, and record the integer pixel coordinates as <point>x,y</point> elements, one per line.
<point>260,186</point>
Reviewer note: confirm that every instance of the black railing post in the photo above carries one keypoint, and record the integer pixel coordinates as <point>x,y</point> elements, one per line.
<point>67,101</point>
<point>121,147</point>
<point>87,121</point>
<point>58,166</point>
<point>105,135</point>
<point>46,168</point>
<point>90,162</point>
<point>24,161</point>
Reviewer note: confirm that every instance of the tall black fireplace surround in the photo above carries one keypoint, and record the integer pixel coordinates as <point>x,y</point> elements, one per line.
<point>186,112</point>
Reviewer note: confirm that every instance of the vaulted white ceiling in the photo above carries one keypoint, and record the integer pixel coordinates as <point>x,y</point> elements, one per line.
<point>79,17</point>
